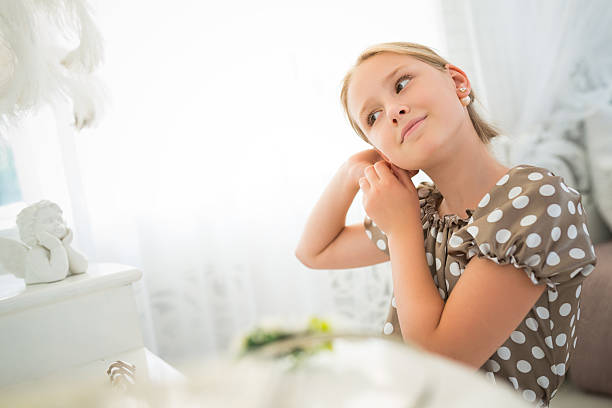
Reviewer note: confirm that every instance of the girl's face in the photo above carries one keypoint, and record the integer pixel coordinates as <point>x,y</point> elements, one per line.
<point>389,90</point>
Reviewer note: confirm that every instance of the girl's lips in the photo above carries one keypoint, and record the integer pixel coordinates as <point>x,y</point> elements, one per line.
<point>414,127</point>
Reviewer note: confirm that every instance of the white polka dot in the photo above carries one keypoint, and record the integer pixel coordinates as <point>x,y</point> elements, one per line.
<point>552,324</point>
<point>584,227</point>
<point>554,210</point>
<point>495,215</point>
<point>537,352</point>
<point>503,235</point>
<point>473,230</point>
<point>575,338</point>
<point>433,232</point>
<point>523,366</point>
<point>454,269</point>
<point>514,191</point>
<point>503,180</point>
<point>572,321</point>
<point>381,244</point>
<point>439,237</point>
<point>587,270</point>
<point>578,316</point>
<point>575,272</point>
<point>532,323</point>
<point>573,330</point>
<point>529,395</point>
<point>552,295</point>
<point>442,295</point>
<point>560,340</point>
<point>576,253</point>
<point>560,369</point>
<point>572,232</point>
<point>543,381</point>
<point>393,303</point>
<point>528,220</point>
<point>548,341</point>
<point>426,225</point>
<point>484,201</point>
<point>504,353</point>
<point>565,309</point>
<point>485,248</point>
<point>535,176</point>
<point>517,337</point>
<point>455,241</point>
<point>567,356</point>
<point>520,202</point>
<point>514,382</point>
<point>533,260</point>
<point>388,328</point>
<point>578,289</point>
<point>447,285</point>
<point>542,312</point>
<point>579,208</point>
<point>555,233</point>
<point>369,233</point>
<point>552,258</point>
<point>438,264</point>
<point>493,365</point>
<point>571,207</point>
<point>547,190</point>
<point>429,257</point>
<point>533,240</point>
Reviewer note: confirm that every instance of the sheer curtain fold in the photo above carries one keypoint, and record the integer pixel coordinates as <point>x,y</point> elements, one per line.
<point>542,69</point>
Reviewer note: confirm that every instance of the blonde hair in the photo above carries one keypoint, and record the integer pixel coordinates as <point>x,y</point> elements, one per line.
<point>485,130</point>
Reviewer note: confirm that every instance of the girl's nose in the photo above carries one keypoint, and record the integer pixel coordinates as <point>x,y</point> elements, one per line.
<point>397,113</point>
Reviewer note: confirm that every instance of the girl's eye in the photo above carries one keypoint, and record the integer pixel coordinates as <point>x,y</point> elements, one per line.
<point>401,80</point>
<point>370,121</point>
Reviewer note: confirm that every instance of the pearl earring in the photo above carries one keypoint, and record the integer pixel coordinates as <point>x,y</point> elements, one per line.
<point>465,101</point>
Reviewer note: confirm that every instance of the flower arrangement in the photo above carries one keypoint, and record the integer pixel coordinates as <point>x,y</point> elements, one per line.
<point>293,343</point>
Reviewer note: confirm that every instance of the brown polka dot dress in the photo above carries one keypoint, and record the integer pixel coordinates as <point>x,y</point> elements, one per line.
<point>532,220</point>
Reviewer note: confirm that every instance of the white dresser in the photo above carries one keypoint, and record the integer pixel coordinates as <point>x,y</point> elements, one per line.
<point>74,327</point>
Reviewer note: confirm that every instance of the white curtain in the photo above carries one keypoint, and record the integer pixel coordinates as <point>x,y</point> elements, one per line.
<point>544,72</point>
<point>223,129</point>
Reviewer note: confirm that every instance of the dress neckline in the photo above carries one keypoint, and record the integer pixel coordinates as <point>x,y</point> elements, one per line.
<point>432,201</point>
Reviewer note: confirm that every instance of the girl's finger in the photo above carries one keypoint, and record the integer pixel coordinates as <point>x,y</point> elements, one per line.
<point>363,182</point>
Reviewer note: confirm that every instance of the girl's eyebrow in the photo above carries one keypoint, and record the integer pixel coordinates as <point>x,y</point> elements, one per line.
<point>387,79</point>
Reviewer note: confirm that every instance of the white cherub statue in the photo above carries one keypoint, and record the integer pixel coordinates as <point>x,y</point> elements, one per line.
<point>48,255</point>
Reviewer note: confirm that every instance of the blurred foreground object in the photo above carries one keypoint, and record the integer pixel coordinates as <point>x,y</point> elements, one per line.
<point>361,371</point>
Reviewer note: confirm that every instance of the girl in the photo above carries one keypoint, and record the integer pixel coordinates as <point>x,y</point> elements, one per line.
<point>487,261</point>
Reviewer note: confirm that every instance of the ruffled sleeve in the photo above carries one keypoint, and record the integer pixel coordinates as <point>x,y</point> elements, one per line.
<point>533,221</point>
<point>378,236</point>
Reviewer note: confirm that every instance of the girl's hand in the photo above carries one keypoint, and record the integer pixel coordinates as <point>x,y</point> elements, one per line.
<point>389,197</point>
<point>358,162</point>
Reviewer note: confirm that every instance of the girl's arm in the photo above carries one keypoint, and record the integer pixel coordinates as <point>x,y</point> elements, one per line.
<point>326,242</point>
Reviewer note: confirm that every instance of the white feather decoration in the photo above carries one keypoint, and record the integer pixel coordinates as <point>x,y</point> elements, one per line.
<point>49,50</point>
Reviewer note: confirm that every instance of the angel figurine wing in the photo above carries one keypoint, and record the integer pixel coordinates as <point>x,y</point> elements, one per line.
<point>12,257</point>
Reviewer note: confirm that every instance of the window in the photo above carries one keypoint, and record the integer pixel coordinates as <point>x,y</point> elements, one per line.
<point>9,184</point>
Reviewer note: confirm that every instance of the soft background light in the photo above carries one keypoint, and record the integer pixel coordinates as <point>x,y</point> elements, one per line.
<point>224,126</point>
